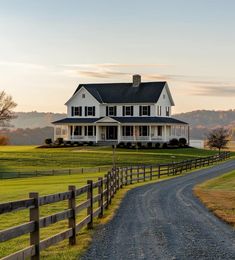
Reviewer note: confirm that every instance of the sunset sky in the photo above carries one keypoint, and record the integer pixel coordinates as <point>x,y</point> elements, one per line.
<point>48,47</point>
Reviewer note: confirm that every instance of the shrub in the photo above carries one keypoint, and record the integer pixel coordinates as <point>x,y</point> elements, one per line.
<point>139,144</point>
<point>182,142</point>
<point>128,145</point>
<point>164,146</point>
<point>4,140</point>
<point>149,145</point>
<point>174,142</point>
<point>59,141</point>
<point>157,145</point>
<point>91,143</point>
<point>48,141</point>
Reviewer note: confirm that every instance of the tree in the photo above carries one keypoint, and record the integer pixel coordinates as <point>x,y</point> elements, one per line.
<point>218,138</point>
<point>6,106</point>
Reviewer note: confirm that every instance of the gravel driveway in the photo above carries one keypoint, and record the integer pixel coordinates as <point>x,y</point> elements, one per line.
<point>165,221</point>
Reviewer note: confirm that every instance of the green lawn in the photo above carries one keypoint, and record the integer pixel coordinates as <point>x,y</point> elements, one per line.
<point>30,158</point>
<point>26,158</point>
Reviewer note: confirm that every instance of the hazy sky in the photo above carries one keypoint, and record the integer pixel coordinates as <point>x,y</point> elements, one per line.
<point>48,47</point>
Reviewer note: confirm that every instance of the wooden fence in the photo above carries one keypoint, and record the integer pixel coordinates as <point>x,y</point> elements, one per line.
<point>52,172</point>
<point>100,192</point>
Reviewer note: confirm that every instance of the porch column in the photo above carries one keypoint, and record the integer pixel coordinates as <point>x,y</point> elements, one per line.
<point>72,134</point>
<point>97,134</point>
<point>119,133</point>
<point>150,133</point>
<point>165,133</point>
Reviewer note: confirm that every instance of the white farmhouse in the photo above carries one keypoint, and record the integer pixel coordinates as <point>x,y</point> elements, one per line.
<point>137,112</point>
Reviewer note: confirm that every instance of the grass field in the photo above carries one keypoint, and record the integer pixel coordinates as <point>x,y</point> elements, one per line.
<point>30,158</point>
<point>219,196</point>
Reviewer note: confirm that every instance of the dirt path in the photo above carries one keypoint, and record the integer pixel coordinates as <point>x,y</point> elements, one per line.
<point>166,221</point>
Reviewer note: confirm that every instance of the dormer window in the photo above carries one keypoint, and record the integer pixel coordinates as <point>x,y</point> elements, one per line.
<point>144,110</point>
<point>83,95</point>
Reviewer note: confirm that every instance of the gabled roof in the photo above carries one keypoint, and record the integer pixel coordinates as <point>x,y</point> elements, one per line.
<point>125,120</point>
<point>146,92</point>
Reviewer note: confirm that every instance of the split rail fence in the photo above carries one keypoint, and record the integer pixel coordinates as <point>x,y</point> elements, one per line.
<point>99,192</point>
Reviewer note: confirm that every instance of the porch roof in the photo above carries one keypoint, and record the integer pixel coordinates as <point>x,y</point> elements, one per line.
<point>125,120</point>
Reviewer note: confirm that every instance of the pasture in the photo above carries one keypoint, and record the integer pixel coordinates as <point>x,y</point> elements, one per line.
<point>28,158</point>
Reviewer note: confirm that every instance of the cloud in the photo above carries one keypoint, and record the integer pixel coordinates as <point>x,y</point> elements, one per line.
<point>216,91</point>
<point>21,64</point>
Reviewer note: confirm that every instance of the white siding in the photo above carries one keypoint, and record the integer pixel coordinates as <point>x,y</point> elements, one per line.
<point>163,102</point>
<point>78,100</point>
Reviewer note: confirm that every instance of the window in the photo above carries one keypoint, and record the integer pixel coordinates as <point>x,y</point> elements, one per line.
<point>77,130</point>
<point>159,110</point>
<point>111,111</point>
<point>127,111</point>
<point>89,111</point>
<point>159,130</point>
<point>127,130</point>
<point>76,111</point>
<point>90,130</point>
<point>143,130</point>
<point>83,95</point>
<point>167,111</point>
<point>164,96</point>
<point>144,110</point>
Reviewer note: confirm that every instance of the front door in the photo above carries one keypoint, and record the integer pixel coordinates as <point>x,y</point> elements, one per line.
<point>111,132</point>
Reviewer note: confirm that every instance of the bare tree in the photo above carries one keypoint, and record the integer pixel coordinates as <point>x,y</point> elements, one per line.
<point>218,138</point>
<point>6,108</point>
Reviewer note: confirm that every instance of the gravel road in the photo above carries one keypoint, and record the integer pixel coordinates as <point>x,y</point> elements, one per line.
<point>166,221</point>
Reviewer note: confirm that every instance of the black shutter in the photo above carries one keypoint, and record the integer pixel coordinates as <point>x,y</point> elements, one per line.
<point>140,110</point>
<point>149,111</point>
<point>132,111</point>
<point>123,111</point>
<point>93,111</point>
<point>115,111</point>
<point>107,110</point>
<point>71,130</point>
<point>80,111</point>
<point>85,111</point>
<point>85,130</point>
<point>94,127</point>
<point>72,112</point>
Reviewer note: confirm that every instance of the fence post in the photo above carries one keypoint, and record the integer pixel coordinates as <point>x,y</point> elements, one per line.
<point>72,220</point>
<point>90,208</point>
<point>107,190</point>
<point>110,188</point>
<point>34,216</point>
<point>121,178</point>
<point>118,179</point>
<point>126,177</point>
<point>159,171</point>
<point>151,172</point>
<point>131,175</point>
<point>101,201</point>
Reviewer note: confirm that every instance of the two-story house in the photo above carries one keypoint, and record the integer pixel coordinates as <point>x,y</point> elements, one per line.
<point>121,113</point>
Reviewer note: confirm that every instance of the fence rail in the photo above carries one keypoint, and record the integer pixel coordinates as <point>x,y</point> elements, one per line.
<point>94,203</point>
<point>52,172</point>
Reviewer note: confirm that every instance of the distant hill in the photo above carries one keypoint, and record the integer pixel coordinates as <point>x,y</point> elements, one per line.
<point>35,127</point>
<point>35,119</point>
<point>208,118</point>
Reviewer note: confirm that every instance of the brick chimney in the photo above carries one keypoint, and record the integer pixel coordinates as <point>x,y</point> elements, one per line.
<point>136,80</point>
